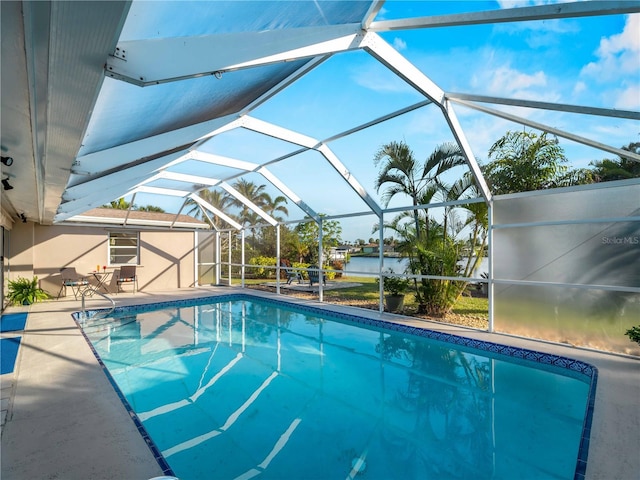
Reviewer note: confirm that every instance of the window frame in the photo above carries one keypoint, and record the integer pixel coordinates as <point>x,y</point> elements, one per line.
<point>112,249</point>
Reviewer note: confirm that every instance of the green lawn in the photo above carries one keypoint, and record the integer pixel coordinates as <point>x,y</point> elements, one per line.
<point>366,295</point>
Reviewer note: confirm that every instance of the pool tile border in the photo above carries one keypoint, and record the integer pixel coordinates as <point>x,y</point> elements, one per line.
<point>574,368</point>
<point>157,455</point>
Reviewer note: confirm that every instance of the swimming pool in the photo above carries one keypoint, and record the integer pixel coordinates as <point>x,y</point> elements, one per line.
<point>238,386</point>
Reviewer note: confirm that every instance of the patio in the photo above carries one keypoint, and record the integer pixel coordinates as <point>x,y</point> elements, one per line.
<point>64,420</point>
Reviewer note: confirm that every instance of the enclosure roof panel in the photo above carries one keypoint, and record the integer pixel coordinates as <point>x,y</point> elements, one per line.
<point>169,99</point>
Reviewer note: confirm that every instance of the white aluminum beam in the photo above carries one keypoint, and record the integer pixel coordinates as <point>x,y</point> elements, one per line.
<point>206,205</point>
<point>133,199</point>
<point>206,214</point>
<point>175,219</point>
<point>555,131</point>
<point>124,178</point>
<point>349,178</point>
<point>271,130</point>
<point>171,192</point>
<point>389,56</point>
<point>519,14</point>
<point>160,60</point>
<point>407,71</point>
<point>314,144</point>
<point>224,161</point>
<point>224,128</point>
<point>84,203</point>
<point>183,177</point>
<point>286,191</point>
<point>273,91</point>
<point>461,138</point>
<point>561,107</point>
<point>371,14</point>
<point>120,155</point>
<point>233,192</point>
<point>378,120</point>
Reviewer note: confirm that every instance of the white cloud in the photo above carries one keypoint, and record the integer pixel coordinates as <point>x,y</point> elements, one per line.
<point>505,81</point>
<point>399,44</point>
<point>508,80</point>
<point>628,99</point>
<point>617,55</point>
<point>525,3</point>
<point>378,78</point>
<point>579,88</point>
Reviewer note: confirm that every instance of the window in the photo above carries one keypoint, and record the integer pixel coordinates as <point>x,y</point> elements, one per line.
<point>123,248</point>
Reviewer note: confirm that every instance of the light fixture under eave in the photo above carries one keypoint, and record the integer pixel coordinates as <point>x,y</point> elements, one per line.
<point>8,161</point>
<point>6,185</point>
<point>23,218</point>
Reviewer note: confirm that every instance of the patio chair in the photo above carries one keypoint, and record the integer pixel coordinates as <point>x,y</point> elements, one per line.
<point>290,272</point>
<point>127,274</point>
<point>70,278</point>
<point>314,274</point>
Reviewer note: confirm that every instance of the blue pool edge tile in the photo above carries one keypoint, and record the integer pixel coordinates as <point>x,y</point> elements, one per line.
<point>155,451</point>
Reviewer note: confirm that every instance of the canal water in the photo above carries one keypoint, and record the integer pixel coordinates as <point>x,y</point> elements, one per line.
<point>368,266</point>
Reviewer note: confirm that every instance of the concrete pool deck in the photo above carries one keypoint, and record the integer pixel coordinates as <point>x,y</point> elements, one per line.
<point>62,418</point>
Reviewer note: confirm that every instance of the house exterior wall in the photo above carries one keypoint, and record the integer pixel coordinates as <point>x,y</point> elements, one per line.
<point>166,258</point>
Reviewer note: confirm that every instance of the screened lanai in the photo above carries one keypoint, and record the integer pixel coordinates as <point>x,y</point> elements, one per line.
<point>161,102</point>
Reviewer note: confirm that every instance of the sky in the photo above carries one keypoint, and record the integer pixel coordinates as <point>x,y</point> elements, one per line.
<point>592,61</point>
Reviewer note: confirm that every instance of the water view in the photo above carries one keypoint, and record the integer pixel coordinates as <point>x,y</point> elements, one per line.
<point>368,266</point>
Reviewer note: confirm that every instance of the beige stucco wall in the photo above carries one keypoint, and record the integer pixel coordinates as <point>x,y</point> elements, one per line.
<point>166,257</point>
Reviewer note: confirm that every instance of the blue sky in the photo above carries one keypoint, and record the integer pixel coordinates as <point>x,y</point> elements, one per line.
<point>582,61</point>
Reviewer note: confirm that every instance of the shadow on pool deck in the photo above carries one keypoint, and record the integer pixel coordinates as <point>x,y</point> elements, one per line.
<point>66,421</point>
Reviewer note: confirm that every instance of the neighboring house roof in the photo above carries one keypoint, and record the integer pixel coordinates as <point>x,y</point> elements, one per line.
<point>113,216</point>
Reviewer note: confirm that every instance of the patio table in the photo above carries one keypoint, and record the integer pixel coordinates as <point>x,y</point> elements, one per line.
<point>102,278</point>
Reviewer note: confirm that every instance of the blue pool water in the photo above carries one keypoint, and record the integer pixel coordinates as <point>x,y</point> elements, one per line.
<point>241,387</point>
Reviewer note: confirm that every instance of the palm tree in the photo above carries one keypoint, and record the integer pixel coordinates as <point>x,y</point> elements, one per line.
<point>274,205</point>
<point>255,194</point>
<point>621,169</point>
<point>120,204</point>
<point>216,198</point>
<point>403,174</point>
<point>400,172</point>
<point>524,161</point>
<point>150,208</point>
<point>430,246</point>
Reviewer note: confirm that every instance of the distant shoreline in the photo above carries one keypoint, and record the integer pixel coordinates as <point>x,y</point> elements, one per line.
<point>375,255</point>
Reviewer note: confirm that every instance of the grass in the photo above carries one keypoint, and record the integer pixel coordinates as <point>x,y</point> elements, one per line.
<point>468,310</point>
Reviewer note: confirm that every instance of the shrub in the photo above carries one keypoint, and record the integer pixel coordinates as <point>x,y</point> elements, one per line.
<point>23,291</point>
<point>261,272</point>
<point>634,334</point>
<point>336,265</point>
<point>394,285</point>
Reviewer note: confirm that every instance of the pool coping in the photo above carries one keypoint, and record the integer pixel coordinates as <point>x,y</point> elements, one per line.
<point>575,368</point>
